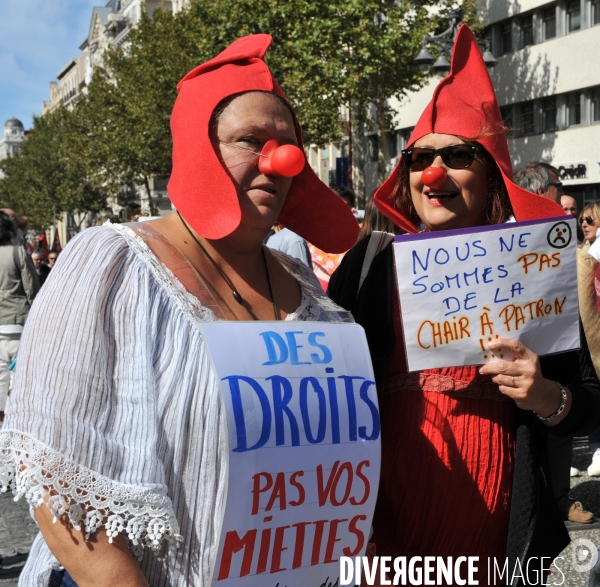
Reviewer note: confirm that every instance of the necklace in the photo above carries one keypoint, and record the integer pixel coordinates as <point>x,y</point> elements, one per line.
<point>236,294</point>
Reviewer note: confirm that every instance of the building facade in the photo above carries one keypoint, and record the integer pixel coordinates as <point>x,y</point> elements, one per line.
<point>12,137</point>
<point>180,4</point>
<point>110,26</point>
<point>66,87</point>
<point>548,88</point>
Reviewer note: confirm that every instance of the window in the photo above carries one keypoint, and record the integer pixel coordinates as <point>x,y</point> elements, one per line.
<point>590,195</point>
<point>505,37</point>
<point>392,145</point>
<point>573,15</point>
<point>573,109</point>
<point>332,179</point>
<point>595,105</point>
<point>595,12</point>
<point>549,23</point>
<point>584,194</point>
<point>403,136</point>
<point>549,114</point>
<point>507,118</point>
<point>526,119</point>
<point>527,31</point>
<point>372,148</point>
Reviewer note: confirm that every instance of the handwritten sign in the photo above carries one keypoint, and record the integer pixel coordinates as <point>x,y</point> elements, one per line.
<point>460,289</point>
<point>304,450</point>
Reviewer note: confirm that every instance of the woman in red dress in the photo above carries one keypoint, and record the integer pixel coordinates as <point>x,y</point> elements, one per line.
<point>463,448</point>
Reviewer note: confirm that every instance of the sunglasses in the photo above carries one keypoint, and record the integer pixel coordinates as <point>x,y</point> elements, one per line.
<point>590,221</point>
<point>557,184</point>
<point>453,156</point>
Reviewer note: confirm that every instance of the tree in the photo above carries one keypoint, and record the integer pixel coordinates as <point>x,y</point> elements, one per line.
<point>384,38</point>
<point>473,17</point>
<point>45,178</point>
<point>326,56</point>
<point>115,135</point>
<point>127,109</point>
<point>331,55</point>
<point>18,190</point>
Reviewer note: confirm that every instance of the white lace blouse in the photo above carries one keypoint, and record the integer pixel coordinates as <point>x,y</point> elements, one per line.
<point>116,411</point>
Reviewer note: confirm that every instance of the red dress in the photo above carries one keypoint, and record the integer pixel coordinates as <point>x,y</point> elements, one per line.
<point>447,461</point>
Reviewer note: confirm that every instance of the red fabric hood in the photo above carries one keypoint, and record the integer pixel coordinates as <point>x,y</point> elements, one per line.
<point>464,103</point>
<point>199,186</point>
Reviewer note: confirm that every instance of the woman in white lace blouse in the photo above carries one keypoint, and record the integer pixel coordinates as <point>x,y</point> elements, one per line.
<point>116,428</point>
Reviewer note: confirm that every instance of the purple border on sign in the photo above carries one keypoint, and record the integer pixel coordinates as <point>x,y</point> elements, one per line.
<point>402,238</point>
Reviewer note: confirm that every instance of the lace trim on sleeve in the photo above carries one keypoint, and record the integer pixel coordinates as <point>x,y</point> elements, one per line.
<point>32,469</point>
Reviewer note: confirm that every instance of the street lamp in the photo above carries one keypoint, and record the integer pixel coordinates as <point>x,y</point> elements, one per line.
<point>445,42</point>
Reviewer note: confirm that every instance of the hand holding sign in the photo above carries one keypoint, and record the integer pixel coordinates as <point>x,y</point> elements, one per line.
<point>522,379</point>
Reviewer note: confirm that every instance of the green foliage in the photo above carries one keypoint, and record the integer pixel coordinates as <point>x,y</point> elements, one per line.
<point>472,17</point>
<point>126,111</point>
<point>330,55</point>
<point>325,55</point>
<point>45,178</point>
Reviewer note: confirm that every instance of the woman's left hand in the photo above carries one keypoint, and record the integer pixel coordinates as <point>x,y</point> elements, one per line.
<point>521,379</point>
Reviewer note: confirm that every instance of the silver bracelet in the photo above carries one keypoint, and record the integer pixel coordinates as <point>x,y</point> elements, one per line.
<point>563,403</point>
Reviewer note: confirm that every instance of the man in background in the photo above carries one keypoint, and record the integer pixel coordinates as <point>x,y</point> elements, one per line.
<point>347,195</point>
<point>41,269</point>
<point>19,286</point>
<point>569,205</point>
<point>542,179</point>
<point>19,238</point>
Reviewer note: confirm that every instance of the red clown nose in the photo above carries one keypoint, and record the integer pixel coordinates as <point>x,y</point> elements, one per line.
<point>284,160</point>
<point>434,177</point>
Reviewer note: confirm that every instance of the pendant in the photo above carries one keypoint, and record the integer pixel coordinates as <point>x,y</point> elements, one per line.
<point>238,298</point>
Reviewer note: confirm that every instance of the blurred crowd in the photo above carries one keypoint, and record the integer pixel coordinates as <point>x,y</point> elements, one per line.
<point>23,270</point>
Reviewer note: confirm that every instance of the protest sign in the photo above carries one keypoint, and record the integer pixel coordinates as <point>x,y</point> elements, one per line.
<point>460,289</point>
<point>304,450</point>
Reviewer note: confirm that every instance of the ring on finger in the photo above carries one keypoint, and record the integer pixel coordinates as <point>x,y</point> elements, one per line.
<point>513,381</point>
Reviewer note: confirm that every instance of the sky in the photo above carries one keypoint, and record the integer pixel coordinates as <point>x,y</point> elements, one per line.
<point>37,39</point>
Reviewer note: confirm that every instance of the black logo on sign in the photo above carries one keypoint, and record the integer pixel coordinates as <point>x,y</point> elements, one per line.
<point>560,235</point>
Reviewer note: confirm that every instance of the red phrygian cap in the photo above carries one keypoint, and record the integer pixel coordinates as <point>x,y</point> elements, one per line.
<point>199,186</point>
<point>464,103</point>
